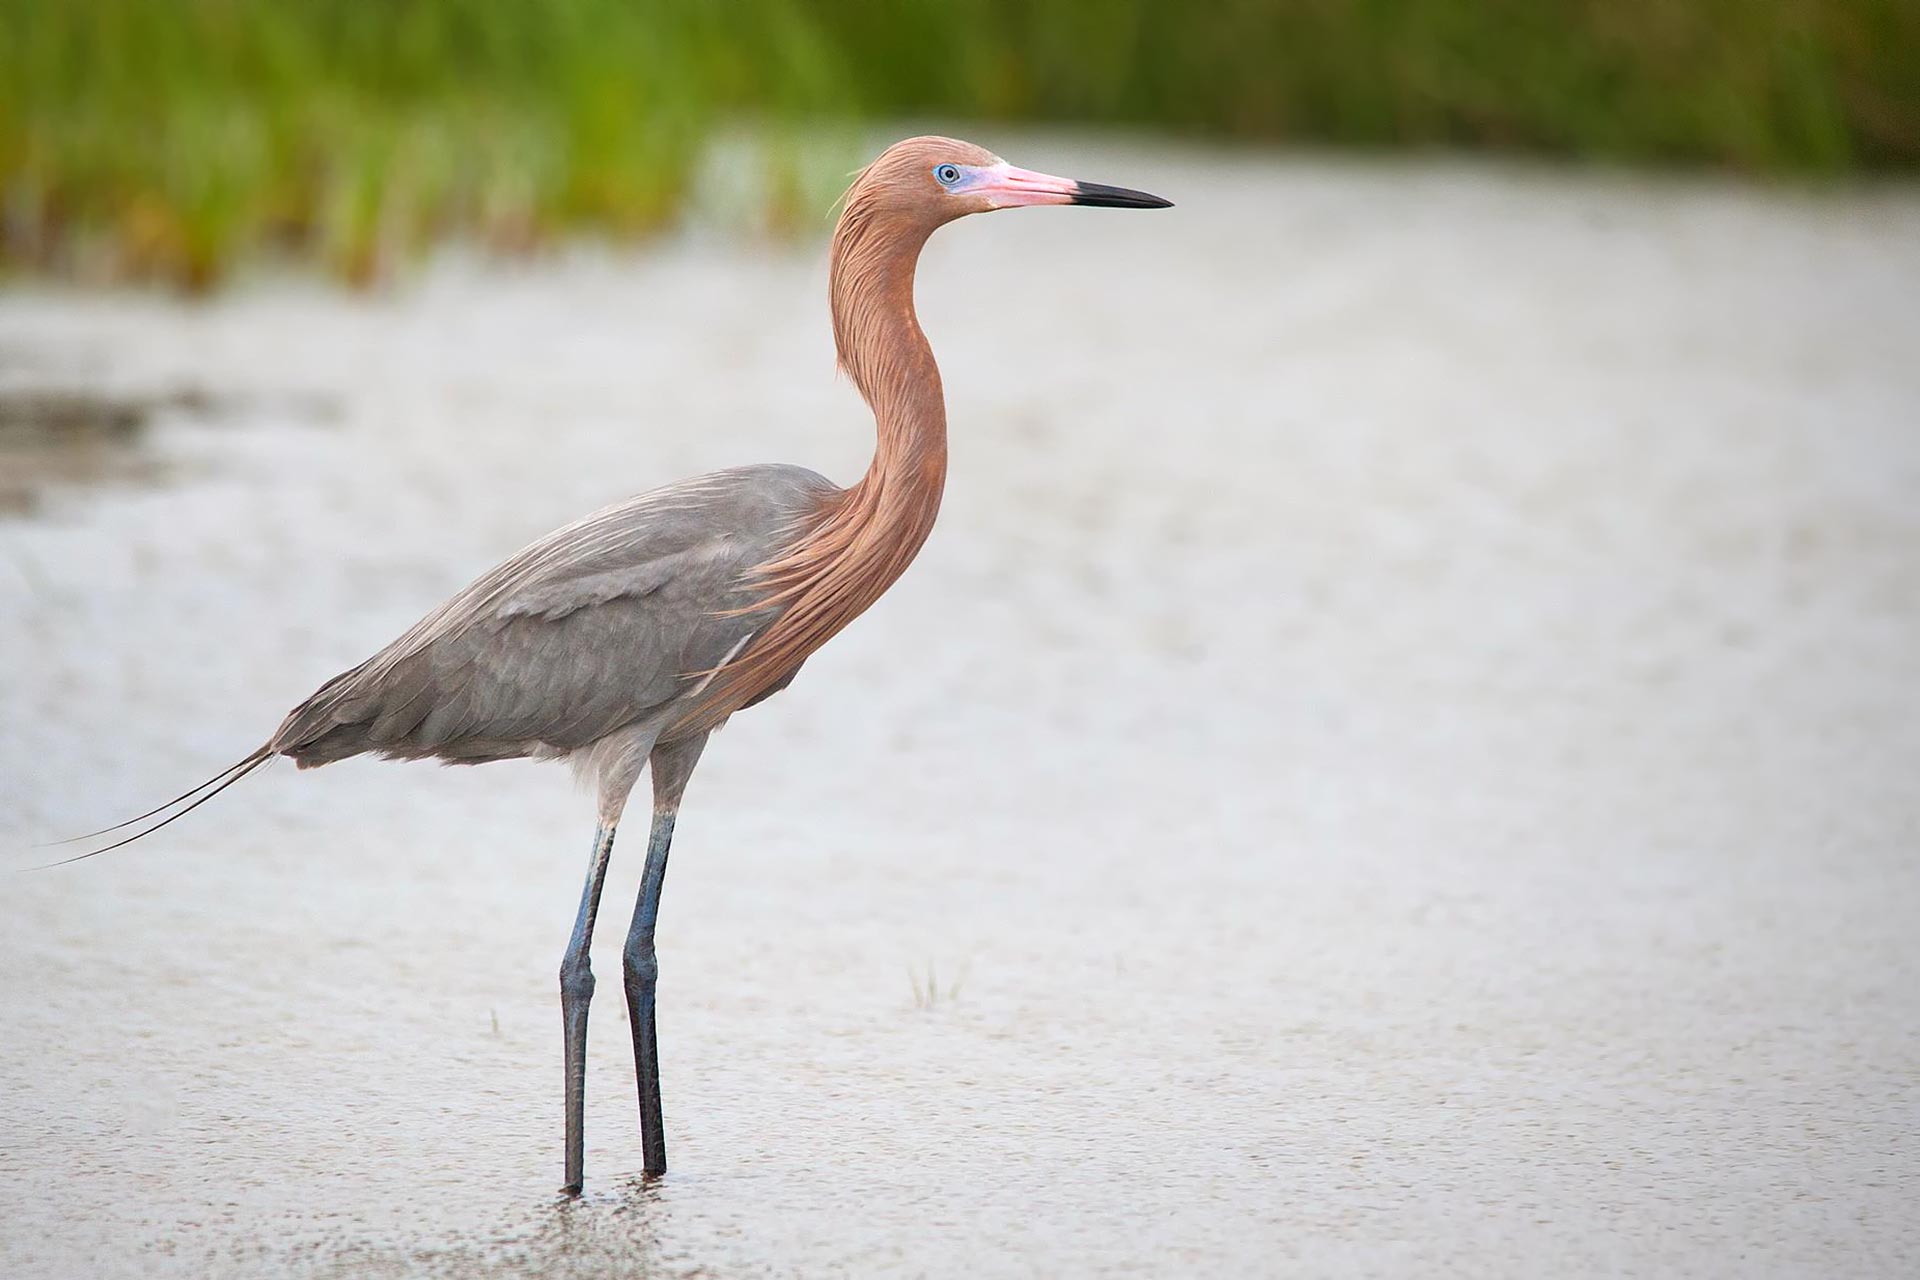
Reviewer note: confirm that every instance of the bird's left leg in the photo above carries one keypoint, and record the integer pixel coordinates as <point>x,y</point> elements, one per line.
<point>672,765</point>
<point>576,990</point>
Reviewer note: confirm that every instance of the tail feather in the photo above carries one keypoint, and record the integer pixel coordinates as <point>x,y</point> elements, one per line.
<point>225,778</point>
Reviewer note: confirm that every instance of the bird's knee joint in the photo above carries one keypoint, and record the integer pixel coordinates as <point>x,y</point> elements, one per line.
<point>576,979</point>
<point>642,965</point>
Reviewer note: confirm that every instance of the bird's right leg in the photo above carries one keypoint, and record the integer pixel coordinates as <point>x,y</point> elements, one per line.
<point>672,765</point>
<point>576,989</point>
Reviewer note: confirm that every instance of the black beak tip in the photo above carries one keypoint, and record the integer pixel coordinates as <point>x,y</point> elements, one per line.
<point>1100,196</point>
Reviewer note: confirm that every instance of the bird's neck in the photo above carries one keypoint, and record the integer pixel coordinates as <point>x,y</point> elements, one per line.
<point>863,538</point>
<point>884,352</point>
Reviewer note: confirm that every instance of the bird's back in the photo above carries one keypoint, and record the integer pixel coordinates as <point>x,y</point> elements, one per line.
<point>597,627</point>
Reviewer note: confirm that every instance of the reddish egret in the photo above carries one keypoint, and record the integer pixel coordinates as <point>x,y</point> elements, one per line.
<point>623,640</point>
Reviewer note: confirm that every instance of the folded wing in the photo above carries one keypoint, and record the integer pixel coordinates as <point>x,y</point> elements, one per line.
<point>595,627</point>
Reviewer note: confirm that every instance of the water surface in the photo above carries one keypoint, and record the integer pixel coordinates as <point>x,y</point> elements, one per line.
<point>1398,759</point>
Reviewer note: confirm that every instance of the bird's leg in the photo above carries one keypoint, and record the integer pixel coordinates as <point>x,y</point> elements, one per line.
<point>576,989</point>
<point>642,973</point>
<point>671,765</point>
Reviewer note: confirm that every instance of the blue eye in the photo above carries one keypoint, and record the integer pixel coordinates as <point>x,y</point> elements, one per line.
<point>946,175</point>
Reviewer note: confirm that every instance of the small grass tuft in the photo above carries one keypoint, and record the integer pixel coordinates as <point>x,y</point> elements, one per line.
<point>927,992</point>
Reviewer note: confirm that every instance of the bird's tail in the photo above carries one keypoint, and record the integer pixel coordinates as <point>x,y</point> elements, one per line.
<point>180,806</point>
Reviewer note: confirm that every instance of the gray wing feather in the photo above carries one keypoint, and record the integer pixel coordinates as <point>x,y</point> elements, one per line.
<point>594,627</point>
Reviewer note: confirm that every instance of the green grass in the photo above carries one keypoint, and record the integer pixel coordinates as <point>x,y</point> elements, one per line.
<point>169,138</point>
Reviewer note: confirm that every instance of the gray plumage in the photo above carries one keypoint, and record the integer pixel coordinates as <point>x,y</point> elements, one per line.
<point>597,631</point>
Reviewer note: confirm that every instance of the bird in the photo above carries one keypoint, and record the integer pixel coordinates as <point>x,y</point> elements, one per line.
<point>620,642</point>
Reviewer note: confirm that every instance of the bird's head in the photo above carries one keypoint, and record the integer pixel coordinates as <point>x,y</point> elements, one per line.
<point>934,180</point>
<point>899,200</point>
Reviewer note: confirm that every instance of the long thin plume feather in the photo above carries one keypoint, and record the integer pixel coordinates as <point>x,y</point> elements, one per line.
<point>238,772</point>
<point>159,808</point>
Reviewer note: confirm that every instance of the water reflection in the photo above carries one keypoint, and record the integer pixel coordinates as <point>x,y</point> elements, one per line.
<point>70,435</point>
<point>608,1234</point>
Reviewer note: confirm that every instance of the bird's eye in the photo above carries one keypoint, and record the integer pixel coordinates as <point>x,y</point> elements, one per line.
<point>947,174</point>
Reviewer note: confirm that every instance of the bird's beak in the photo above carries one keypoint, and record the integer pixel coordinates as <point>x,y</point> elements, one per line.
<point>1006,187</point>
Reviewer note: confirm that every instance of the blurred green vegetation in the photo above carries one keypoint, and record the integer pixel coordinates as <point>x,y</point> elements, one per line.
<point>167,138</point>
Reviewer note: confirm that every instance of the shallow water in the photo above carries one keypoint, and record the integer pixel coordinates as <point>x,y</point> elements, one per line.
<point>1399,758</point>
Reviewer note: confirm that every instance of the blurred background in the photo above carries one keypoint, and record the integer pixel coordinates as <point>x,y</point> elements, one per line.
<point>146,139</point>
<point>1398,758</point>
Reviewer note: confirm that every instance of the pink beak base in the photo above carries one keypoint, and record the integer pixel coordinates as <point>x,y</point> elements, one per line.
<point>1010,187</point>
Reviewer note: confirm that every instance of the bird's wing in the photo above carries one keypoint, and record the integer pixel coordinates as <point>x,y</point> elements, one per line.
<point>588,630</point>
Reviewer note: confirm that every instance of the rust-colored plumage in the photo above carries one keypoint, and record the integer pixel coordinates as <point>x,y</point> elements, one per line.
<point>861,539</point>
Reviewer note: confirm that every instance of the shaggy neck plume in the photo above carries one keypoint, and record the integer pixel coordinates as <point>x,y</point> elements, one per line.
<point>863,538</point>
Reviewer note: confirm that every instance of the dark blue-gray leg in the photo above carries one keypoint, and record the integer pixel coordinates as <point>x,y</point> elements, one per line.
<point>643,973</point>
<point>671,766</point>
<point>576,990</point>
